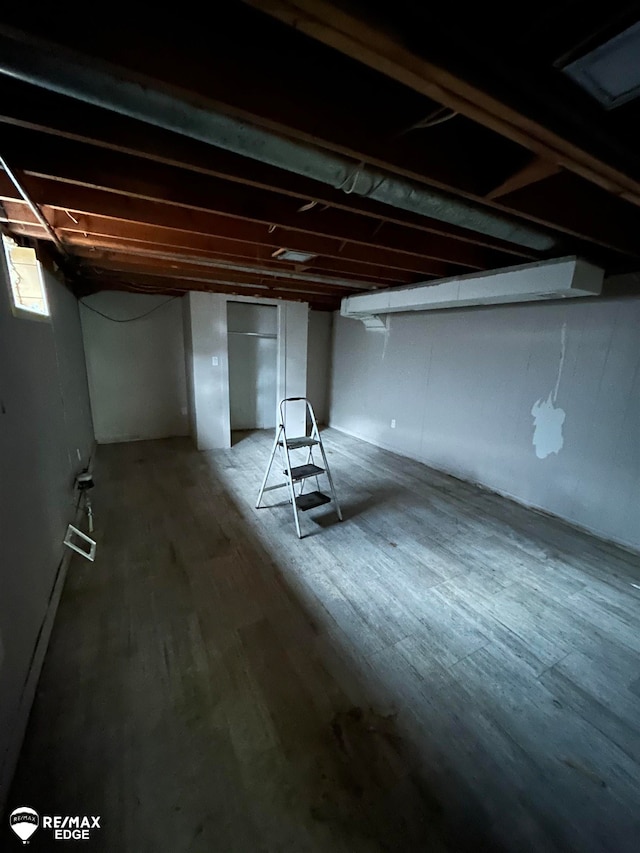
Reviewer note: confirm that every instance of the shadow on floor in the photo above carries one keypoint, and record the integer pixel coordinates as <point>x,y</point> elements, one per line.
<point>198,695</point>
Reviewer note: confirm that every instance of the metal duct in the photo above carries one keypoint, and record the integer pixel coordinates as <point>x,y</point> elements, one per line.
<point>54,71</point>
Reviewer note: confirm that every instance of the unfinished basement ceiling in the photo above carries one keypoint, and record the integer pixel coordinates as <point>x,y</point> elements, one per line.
<point>470,151</point>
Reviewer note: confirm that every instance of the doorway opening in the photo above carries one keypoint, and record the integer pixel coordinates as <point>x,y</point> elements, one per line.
<point>253,365</point>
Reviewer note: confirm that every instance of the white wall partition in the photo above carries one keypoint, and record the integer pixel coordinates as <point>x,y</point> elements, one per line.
<point>209,344</point>
<point>539,402</point>
<point>136,367</point>
<point>46,439</point>
<point>319,363</point>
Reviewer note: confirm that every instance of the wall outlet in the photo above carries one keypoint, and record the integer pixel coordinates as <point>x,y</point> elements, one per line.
<point>183,410</point>
<point>214,360</point>
<point>393,423</point>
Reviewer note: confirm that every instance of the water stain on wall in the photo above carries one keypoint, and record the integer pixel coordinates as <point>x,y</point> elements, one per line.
<point>548,419</point>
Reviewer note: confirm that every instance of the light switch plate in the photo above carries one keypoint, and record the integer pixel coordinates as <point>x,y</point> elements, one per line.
<point>214,360</point>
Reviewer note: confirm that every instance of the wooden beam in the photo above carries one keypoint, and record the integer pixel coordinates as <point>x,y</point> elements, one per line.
<point>327,92</point>
<point>229,217</point>
<point>79,122</point>
<point>140,178</point>
<point>96,245</point>
<point>477,151</point>
<point>537,169</point>
<point>372,45</point>
<point>148,239</point>
<point>141,254</point>
<point>160,284</point>
<point>104,213</point>
<point>197,272</point>
<point>592,207</point>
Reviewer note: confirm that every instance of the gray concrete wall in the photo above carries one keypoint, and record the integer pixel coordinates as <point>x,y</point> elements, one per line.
<point>319,363</point>
<point>538,402</point>
<point>137,376</point>
<point>46,438</point>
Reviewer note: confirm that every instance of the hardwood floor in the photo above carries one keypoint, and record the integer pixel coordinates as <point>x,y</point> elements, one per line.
<point>443,671</point>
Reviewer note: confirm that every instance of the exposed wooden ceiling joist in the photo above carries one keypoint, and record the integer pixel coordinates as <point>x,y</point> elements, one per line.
<point>87,124</point>
<point>86,204</point>
<point>554,212</point>
<point>107,245</point>
<point>211,277</point>
<point>98,246</point>
<point>536,169</point>
<point>127,196</point>
<point>371,44</point>
<point>149,283</point>
<point>140,178</point>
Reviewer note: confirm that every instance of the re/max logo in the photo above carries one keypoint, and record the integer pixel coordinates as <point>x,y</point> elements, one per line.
<point>71,828</point>
<point>68,822</point>
<point>24,821</point>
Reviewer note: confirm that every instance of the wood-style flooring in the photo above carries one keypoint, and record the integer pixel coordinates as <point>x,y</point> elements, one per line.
<point>443,671</point>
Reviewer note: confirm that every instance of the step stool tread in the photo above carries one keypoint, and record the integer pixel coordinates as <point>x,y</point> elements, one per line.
<point>311,500</point>
<point>302,441</point>
<point>300,472</point>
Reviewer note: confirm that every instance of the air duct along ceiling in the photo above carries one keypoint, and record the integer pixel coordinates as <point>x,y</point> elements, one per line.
<point>556,279</point>
<point>74,77</point>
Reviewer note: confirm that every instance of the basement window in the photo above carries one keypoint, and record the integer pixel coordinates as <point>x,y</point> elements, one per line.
<point>28,292</point>
<point>611,72</point>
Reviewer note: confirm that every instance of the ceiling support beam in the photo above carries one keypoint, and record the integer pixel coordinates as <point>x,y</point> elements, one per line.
<point>138,177</point>
<point>56,72</point>
<point>537,169</point>
<point>100,245</point>
<point>66,160</point>
<point>371,45</point>
<point>123,135</point>
<point>160,284</point>
<point>204,265</point>
<point>157,211</point>
<point>213,278</point>
<point>33,207</point>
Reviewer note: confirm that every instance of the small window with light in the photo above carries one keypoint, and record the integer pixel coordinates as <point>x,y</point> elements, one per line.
<point>28,293</point>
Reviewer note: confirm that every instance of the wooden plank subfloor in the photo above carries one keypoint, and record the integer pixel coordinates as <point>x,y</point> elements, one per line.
<point>444,671</point>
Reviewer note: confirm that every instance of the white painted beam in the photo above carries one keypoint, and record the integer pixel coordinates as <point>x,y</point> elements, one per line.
<point>556,279</point>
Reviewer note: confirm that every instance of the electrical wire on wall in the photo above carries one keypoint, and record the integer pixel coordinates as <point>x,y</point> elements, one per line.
<point>128,319</point>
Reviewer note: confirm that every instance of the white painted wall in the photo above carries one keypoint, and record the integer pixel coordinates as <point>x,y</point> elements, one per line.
<point>293,331</point>
<point>136,369</point>
<point>210,369</point>
<point>538,402</point>
<point>46,438</point>
<point>209,344</point>
<point>187,336</point>
<point>319,363</point>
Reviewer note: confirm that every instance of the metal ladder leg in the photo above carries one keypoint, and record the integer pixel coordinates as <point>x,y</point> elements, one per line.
<point>268,471</point>
<point>329,478</point>
<point>315,432</point>
<point>292,490</point>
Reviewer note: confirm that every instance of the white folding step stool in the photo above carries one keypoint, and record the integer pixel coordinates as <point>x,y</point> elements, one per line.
<point>300,473</point>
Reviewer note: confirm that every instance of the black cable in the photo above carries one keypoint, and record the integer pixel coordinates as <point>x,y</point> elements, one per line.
<point>129,319</point>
